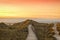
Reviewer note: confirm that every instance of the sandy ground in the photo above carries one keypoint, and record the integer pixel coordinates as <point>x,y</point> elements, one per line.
<point>31,35</point>
<point>57,36</point>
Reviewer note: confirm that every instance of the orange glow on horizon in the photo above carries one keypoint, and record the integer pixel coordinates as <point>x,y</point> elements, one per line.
<point>47,9</point>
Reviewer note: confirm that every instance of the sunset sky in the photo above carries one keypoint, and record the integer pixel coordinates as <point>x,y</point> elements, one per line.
<point>47,9</point>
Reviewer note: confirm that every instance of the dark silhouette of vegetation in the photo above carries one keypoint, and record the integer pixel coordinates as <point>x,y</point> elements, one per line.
<point>3,25</point>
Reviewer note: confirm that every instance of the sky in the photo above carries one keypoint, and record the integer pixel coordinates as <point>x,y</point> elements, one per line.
<point>45,9</point>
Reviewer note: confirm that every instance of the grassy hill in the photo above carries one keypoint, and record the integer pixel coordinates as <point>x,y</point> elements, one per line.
<point>19,31</point>
<point>44,31</point>
<point>14,32</point>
